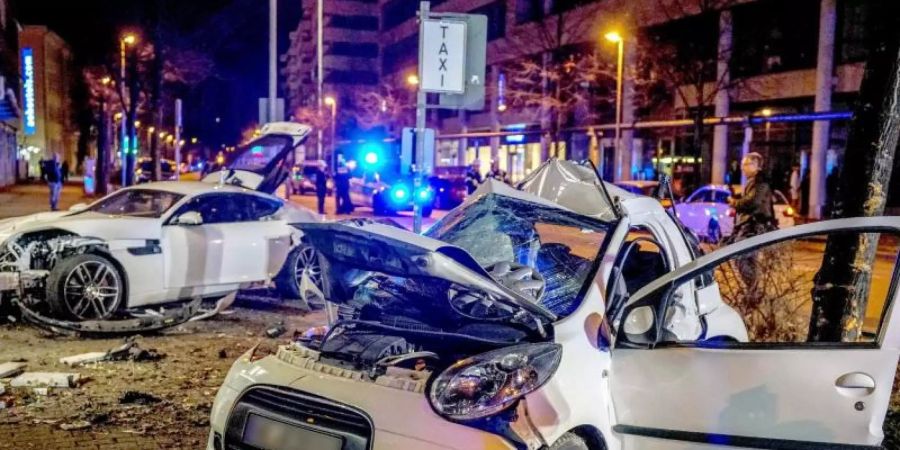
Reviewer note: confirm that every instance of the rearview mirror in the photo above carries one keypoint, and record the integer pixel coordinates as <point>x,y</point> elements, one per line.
<point>189,218</point>
<point>78,207</point>
<point>639,321</point>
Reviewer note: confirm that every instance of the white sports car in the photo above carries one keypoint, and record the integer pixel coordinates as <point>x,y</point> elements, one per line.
<point>531,320</point>
<point>167,241</point>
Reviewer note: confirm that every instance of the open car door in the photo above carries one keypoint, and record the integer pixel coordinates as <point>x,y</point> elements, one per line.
<point>760,381</point>
<point>264,163</point>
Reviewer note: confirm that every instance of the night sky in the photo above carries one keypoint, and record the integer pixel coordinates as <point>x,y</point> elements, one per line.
<point>233,32</point>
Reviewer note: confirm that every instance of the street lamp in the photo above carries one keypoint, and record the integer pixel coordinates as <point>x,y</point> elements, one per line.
<point>125,40</point>
<point>330,101</point>
<point>615,37</point>
<point>412,80</point>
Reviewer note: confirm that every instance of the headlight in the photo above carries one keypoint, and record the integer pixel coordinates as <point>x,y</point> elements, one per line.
<point>486,384</point>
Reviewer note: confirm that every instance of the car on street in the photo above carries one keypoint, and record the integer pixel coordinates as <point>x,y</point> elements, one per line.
<point>388,194</point>
<point>449,186</point>
<point>649,188</point>
<point>304,175</point>
<point>553,318</point>
<point>168,241</point>
<point>707,213</point>
<point>144,171</point>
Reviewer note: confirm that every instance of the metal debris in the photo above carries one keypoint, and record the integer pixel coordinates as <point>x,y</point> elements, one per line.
<point>138,398</point>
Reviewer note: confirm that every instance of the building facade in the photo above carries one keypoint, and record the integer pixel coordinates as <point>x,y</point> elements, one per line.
<point>47,72</point>
<point>769,70</point>
<point>9,107</point>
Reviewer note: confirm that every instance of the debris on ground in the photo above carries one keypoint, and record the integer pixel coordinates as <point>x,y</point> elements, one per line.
<point>130,351</point>
<point>138,398</point>
<point>11,369</point>
<point>42,391</point>
<point>51,379</point>
<point>223,354</point>
<point>84,358</point>
<point>276,331</point>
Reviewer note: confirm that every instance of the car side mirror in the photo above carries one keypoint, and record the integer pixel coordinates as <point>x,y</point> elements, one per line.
<point>190,218</point>
<point>78,207</point>
<point>640,320</point>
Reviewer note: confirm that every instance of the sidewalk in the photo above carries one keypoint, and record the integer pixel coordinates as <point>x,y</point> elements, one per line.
<point>23,199</point>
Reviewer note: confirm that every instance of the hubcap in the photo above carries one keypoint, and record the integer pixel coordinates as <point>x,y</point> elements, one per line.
<point>308,263</point>
<point>92,290</point>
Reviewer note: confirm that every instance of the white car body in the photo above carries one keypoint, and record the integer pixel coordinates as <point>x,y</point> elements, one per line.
<point>612,396</point>
<point>709,204</point>
<point>163,260</point>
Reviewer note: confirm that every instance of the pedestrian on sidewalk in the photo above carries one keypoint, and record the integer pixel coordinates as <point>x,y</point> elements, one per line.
<point>321,184</point>
<point>53,175</point>
<point>794,185</point>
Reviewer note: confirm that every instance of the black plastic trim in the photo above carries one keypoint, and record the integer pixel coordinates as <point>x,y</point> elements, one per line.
<point>151,247</point>
<point>736,441</point>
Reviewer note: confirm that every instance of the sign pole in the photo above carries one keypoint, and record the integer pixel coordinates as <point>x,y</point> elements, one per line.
<point>177,138</point>
<point>421,100</point>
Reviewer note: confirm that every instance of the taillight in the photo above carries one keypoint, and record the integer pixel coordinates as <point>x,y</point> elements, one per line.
<point>788,212</point>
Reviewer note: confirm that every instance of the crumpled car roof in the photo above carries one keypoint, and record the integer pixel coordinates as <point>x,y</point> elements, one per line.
<point>575,187</point>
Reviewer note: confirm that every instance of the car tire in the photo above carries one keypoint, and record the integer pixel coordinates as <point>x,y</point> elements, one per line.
<point>570,441</point>
<point>301,258</point>
<point>85,287</point>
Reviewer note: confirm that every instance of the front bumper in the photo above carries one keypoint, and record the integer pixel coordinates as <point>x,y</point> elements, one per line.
<point>399,412</point>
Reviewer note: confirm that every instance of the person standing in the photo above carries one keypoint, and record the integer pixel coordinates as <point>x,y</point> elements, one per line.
<point>53,175</point>
<point>342,187</point>
<point>65,171</point>
<point>321,184</point>
<point>754,212</point>
<point>473,178</point>
<point>794,185</point>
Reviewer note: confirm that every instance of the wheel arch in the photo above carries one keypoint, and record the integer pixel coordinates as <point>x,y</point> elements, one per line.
<point>592,435</point>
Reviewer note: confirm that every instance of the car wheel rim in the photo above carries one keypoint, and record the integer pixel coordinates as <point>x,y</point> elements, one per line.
<point>91,290</point>
<point>308,263</point>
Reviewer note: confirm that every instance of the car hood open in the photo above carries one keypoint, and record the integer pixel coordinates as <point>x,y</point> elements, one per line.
<point>374,247</point>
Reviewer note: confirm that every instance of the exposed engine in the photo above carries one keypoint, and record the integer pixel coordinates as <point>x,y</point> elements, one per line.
<point>41,250</point>
<point>420,323</point>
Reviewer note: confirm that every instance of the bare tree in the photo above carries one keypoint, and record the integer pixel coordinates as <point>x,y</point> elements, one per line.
<point>842,284</point>
<point>683,59</point>
<point>554,71</point>
<point>389,106</point>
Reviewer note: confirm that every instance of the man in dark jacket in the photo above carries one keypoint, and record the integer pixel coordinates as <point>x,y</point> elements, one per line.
<point>53,175</point>
<point>754,212</point>
<point>321,179</point>
<point>473,178</point>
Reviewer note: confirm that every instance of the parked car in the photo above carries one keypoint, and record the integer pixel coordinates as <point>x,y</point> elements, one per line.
<point>449,186</point>
<point>144,171</point>
<point>531,319</point>
<point>388,194</point>
<point>168,241</point>
<point>647,188</point>
<point>304,178</point>
<point>707,213</point>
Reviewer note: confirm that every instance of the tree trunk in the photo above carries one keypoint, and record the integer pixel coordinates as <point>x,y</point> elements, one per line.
<point>841,285</point>
<point>101,178</point>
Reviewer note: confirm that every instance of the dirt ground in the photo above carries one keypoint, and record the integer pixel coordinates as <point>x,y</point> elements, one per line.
<point>185,380</point>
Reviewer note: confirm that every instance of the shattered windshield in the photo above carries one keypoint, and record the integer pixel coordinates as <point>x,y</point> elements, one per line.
<point>561,245</point>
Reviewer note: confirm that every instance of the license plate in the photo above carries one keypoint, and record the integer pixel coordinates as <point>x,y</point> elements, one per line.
<point>267,434</point>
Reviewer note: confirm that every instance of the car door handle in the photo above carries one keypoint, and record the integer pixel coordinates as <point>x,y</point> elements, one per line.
<point>855,385</point>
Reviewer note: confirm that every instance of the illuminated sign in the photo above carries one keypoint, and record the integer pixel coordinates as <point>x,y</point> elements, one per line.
<point>515,138</point>
<point>28,88</point>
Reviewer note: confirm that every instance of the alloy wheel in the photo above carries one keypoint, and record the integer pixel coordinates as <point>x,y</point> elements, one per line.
<point>308,263</point>
<point>92,290</point>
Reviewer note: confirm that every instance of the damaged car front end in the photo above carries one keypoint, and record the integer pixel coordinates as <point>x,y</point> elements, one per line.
<point>447,340</point>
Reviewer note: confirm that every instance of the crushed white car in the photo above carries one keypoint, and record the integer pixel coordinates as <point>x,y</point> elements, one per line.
<point>164,242</point>
<point>565,315</point>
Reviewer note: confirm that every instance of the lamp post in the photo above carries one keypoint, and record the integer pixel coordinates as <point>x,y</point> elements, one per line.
<point>126,40</point>
<point>330,101</point>
<point>615,37</point>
